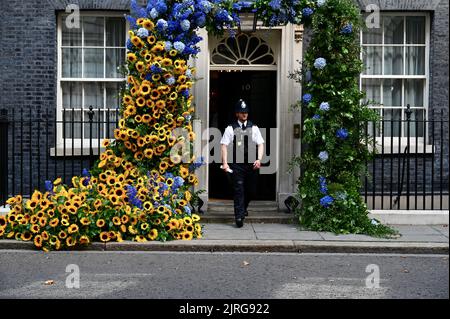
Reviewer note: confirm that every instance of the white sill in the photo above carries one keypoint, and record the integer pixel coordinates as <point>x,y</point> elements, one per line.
<point>394,149</point>
<point>75,151</point>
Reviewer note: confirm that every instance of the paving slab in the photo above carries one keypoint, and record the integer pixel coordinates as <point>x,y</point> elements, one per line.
<point>423,238</point>
<point>288,235</point>
<point>424,230</point>
<point>351,237</point>
<point>271,228</point>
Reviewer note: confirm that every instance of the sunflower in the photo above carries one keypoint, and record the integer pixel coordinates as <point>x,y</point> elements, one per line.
<point>151,39</point>
<point>104,236</point>
<point>150,104</point>
<point>144,226</point>
<point>125,219</point>
<point>38,241</point>
<point>173,52</point>
<point>2,232</point>
<point>145,88</point>
<point>43,221</point>
<point>100,223</point>
<point>187,235</point>
<point>31,204</point>
<point>136,40</point>
<point>190,228</point>
<point>10,234</point>
<point>160,104</point>
<point>195,217</point>
<point>70,241</point>
<point>62,234</point>
<point>187,221</point>
<point>73,228</point>
<point>84,240</point>
<point>153,234</point>
<point>156,77</point>
<point>166,62</point>
<point>148,24</point>
<point>35,229</point>
<point>132,230</point>
<point>112,235</point>
<point>140,239</point>
<point>140,101</point>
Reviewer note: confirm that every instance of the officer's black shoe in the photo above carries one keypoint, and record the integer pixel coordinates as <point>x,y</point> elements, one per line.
<point>239,222</point>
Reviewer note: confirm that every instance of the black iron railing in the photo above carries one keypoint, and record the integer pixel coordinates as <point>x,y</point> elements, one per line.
<point>410,170</point>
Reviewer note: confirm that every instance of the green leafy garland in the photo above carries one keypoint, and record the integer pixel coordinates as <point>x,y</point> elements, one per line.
<point>334,125</point>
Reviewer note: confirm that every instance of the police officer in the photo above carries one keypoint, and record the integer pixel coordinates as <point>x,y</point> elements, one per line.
<point>247,148</point>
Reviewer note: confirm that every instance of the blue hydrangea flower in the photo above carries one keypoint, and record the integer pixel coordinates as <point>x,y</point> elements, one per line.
<point>179,46</point>
<point>326,201</point>
<point>347,29</point>
<point>161,25</point>
<point>168,45</point>
<point>320,63</point>
<point>185,93</point>
<point>275,4</point>
<point>171,80</point>
<point>189,74</point>
<point>342,133</point>
<point>307,12</point>
<point>187,210</point>
<point>161,6</point>
<point>154,13</point>
<point>307,98</point>
<point>323,156</point>
<point>324,106</point>
<point>155,69</point>
<point>323,185</point>
<point>185,25</point>
<point>142,33</point>
<point>201,21</point>
<point>49,186</point>
<point>321,2</point>
<point>129,44</point>
<point>178,181</point>
<point>316,117</point>
<point>205,6</point>
<point>85,173</point>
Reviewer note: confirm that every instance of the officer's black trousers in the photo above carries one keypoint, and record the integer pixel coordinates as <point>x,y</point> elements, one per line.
<point>244,186</point>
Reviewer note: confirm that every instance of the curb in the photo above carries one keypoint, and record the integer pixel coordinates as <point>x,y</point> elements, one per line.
<point>262,246</point>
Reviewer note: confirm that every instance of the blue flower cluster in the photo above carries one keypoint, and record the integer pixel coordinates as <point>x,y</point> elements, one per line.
<point>347,29</point>
<point>177,23</point>
<point>87,176</point>
<point>307,98</point>
<point>342,133</point>
<point>131,193</point>
<point>326,201</point>
<point>197,163</point>
<point>323,185</point>
<point>323,156</point>
<point>320,63</point>
<point>324,106</point>
<point>49,187</point>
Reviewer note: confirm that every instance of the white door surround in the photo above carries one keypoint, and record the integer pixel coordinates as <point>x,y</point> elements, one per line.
<point>286,47</point>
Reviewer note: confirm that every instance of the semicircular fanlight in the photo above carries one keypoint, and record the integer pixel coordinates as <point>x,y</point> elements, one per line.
<point>243,50</point>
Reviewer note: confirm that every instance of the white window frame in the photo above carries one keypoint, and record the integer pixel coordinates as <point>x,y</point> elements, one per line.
<point>386,140</point>
<point>81,146</point>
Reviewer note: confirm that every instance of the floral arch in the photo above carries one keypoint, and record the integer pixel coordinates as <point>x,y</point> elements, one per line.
<point>139,189</point>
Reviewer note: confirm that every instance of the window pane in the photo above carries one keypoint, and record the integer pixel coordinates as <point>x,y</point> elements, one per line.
<point>415,60</point>
<point>93,95</point>
<point>93,31</point>
<point>416,126</point>
<point>392,123</point>
<point>372,35</point>
<point>72,124</point>
<point>415,30</point>
<point>115,32</point>
<point>393,60</point>
<point>392,92</point>
<point>71,63</point>
<point>372,60</point>
<point>112,95</point>
<point>372,88</point>
<point>112,120</point>
<point>70,36</point>
<point>393,30</point>
<point>114,59</point>
<point>414,92</point>
<point>93,63</point>
<point>72,95</point>
<point>96,127</point>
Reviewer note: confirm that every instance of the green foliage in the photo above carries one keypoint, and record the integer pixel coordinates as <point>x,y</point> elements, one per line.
<point>338,85</point>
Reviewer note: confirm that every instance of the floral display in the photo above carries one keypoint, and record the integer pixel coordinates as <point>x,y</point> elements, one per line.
<point>139,189</point>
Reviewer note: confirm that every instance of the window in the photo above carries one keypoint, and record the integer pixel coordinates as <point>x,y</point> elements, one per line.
<point>89,58</point>
<point>396,72</point>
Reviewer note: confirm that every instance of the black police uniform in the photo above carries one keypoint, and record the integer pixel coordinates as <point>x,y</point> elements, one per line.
<point>244,176</point>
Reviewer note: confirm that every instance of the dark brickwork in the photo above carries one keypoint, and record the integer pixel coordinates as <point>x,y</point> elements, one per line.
<point>28,76</point>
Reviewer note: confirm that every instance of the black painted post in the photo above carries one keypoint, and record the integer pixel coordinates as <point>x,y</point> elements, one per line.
<point>3,156</point>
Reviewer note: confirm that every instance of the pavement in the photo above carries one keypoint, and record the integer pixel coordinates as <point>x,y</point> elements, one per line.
<point>260,237</point>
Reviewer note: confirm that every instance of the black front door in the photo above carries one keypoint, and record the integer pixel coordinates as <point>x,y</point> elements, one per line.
<point>258,89</point>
